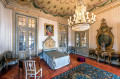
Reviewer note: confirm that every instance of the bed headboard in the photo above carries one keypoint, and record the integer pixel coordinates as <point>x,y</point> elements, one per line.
<point>49,44</point>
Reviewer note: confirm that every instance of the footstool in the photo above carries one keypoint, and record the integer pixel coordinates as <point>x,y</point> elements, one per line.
<point>81,59</point>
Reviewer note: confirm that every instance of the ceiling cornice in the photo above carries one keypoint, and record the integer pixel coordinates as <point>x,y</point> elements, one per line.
<point>36,12</point>
<point>107,7</point>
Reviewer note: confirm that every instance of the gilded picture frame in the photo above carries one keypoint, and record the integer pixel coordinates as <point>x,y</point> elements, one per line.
<point>48,29</point>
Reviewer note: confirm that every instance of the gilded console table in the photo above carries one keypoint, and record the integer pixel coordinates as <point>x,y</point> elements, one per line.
<point>108,54</point>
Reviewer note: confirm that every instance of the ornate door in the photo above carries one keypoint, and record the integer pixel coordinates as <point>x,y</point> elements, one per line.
<point>25,36</point>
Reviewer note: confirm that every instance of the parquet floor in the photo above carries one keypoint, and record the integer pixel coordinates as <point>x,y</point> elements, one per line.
<point>12,73</point>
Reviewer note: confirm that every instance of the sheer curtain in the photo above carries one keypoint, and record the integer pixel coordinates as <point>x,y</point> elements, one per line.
<point>5,29</point>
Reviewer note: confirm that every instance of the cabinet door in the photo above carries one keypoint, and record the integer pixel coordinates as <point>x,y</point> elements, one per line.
<point>82,43</point>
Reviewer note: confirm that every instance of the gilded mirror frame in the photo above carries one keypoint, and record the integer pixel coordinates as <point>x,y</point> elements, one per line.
<point>106,32</point>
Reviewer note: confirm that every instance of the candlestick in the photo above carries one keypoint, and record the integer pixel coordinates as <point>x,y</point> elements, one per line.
<point>94,17</point>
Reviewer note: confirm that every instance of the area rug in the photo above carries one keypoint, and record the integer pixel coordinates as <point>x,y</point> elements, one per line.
<point>86,71</point>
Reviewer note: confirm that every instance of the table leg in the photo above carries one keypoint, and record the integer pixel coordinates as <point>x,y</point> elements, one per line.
<point>98,59</point>
<point>23,73</point>
<point>6,65</point>
<point>110,60</point>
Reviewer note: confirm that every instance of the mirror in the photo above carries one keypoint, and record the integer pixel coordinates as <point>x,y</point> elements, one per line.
<point>104,37</point>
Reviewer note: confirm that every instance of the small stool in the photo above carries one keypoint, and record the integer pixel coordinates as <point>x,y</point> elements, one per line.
<point>81,59</point>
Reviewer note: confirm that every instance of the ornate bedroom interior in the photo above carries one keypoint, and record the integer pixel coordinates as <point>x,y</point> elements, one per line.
<point>59,39</point>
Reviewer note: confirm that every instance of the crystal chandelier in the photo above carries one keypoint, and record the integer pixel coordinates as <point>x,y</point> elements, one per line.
<point>81,21</point>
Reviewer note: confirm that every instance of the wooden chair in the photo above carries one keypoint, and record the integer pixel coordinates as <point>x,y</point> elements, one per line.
<point>31,69</point>
<point>9,58</point>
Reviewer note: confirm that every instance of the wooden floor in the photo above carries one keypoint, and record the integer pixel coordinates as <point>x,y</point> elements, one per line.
<point>12,73</point>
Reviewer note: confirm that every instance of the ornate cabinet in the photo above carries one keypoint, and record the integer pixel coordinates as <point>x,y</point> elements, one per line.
<point>63,38</point>
<point>82,43</point>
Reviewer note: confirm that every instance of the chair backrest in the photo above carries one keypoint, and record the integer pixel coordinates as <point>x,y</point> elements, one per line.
<point>30,65</point>
<point>8,54</point>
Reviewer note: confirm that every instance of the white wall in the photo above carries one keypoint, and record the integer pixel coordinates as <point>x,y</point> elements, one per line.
<point>5,29</point>
<point>71,37</point>
<point>112,17</point>
<point>41,36</point>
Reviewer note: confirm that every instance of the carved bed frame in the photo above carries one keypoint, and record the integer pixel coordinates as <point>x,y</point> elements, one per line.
<point>49,44</point>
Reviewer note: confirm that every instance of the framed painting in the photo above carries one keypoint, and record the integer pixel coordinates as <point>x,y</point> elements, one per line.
<point>49,29</point>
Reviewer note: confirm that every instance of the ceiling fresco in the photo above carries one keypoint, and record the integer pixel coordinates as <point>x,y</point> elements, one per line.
<point>61,7</point>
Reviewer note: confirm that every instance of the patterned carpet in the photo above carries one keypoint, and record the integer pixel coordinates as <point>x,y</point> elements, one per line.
<point>86,71</point>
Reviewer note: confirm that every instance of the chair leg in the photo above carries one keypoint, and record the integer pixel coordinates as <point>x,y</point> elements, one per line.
<point>35,75</point>
<point>26,75</point>
<point>108,60</point>
<point>41,72</point>
<point>98,58</point>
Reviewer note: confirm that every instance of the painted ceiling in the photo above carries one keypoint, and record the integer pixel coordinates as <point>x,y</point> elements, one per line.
<point>61,7</point>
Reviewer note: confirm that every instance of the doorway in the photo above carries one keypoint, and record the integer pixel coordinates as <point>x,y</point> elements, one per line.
<point>26,36</point>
